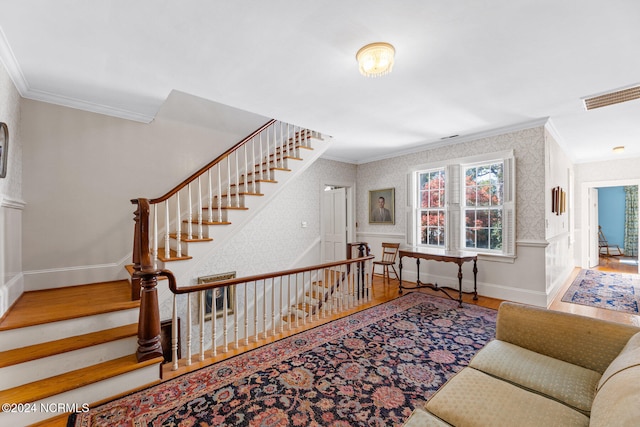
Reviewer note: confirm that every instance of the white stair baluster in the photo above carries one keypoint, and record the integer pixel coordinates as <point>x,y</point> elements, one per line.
<point>188,329</point>
<point>253,154</point>
<point>200,208</point>
<point>225,321</point>
<point>201,319</point>
<point>167,222</point>
<point>246,168</point>
<point>219,204</point>
<point>237,174</point>
<point>273,307</point>
<point>246,314</point>
<point>210,192</point>
<point>255,309</point>
<point>190,214</point>
<point>264,308</point>
<point>178,226</point>
<point>261,168</point>
<point>214,322</point>
<point>235,315</point>
<point>297,302</point>
<point>228,182</point>
<point>174,333</point>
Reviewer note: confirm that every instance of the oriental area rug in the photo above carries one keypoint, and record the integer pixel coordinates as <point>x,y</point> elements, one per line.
<point>369,369</point>
<point>613,291</point>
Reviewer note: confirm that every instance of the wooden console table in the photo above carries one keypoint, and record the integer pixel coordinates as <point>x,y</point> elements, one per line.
<point>442,256</point>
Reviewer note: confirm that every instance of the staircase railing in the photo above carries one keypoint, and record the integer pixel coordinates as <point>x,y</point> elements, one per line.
<point>203,198</point>
<point>247,309</point>
<point>210,191</point>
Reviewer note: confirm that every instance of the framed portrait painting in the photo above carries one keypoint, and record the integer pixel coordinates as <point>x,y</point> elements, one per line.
<point>382,206</point>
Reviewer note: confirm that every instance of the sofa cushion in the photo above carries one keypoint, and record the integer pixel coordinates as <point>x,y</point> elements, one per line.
<point>473,398</point>
<point>617,403</point>
<point>628,357</point>
<point>570,384</point>
<point>421,418</point>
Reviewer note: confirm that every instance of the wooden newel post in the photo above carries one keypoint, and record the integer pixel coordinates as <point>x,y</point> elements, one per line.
<point>363,250</point>
<point>146,276</point>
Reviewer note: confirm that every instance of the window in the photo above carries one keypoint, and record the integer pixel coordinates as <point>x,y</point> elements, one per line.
<point>465,204</point>
<point>431,207</point>
<point>483,206</point>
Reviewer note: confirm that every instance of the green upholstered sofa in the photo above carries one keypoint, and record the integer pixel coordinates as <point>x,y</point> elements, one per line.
<point>545,368</point>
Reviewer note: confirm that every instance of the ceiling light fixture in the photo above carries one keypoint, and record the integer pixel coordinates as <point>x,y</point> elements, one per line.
<point>375,59</point>
<point>618,149</point>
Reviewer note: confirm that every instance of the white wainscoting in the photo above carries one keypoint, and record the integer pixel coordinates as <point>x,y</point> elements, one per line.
<point>11,277</point>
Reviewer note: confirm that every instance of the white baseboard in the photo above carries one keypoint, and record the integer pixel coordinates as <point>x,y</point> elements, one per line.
<point>78,275</point>
<point>491,290</point>
<point>10,292</point>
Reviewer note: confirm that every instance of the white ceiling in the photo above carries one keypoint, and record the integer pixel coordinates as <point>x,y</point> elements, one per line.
<point>463,67</point>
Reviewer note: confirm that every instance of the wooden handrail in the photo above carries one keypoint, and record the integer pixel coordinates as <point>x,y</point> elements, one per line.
<point>209,165</point>
<point>240,280</point>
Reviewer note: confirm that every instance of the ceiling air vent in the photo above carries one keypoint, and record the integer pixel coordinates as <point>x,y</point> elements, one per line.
<point>611,98</point>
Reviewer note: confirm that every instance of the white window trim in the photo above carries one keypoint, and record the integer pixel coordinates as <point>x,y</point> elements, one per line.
<point>454,207</point>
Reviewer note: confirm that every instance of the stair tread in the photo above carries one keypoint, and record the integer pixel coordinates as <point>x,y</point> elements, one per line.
<point>37,351</point>
<point>242,193</point>
<point>209,222</point>
<point>173,256</point>
<point>52,305</point>
<point>37,390</point>
<point>184,238</point>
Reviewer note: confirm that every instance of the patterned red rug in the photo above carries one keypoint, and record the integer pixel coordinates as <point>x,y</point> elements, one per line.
<point>613,291</point>
<point>369,369</point>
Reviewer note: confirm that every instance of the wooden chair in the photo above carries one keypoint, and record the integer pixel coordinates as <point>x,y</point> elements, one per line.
<point>607,250</point>
<point>389,255</point>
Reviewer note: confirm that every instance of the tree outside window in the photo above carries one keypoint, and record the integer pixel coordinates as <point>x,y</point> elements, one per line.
<point>483,207</point>
<point>431,209</point>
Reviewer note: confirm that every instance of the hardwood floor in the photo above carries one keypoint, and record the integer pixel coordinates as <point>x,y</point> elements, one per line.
<point>613,264</point>
<point>383,293</point>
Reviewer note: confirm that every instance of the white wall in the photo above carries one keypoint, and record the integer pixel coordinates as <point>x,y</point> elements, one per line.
<point>11,202</point>
<point>522,279</point>
<point>559,251</point>
<point>81,170</point>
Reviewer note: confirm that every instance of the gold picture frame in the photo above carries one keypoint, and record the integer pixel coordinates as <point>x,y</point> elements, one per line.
<point>382,206</point>
<point>216,295</point>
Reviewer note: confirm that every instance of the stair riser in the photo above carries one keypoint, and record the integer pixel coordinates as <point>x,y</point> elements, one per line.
<point>89,394</point>
<point>13,376</point>
<point>16,338</point>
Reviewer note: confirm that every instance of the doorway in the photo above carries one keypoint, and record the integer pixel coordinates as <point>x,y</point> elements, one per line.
<point>337,221</point>
<point>603,203</point>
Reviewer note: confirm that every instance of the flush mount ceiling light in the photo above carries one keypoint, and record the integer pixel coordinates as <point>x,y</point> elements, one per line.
<point>375,59</point>
<point>618,149</point>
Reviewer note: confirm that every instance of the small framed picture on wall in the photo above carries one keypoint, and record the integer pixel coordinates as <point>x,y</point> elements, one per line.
<point>382,206</point>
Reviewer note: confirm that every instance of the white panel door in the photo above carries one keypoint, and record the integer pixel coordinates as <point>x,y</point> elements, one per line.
<point>334,217</point>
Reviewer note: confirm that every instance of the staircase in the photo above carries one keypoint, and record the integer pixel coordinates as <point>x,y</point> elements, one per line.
<point>63,349</point>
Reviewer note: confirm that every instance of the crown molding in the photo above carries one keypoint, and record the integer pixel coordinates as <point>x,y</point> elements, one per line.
<point>38,95</point>
<point>22,85</point>
<point>430,145</point>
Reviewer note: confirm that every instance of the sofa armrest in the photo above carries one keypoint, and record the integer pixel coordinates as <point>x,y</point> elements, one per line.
<point>580,340</point>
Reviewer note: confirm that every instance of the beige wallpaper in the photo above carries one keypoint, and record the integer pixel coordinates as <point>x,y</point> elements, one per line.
<point>11,186</point>
<point>528,147</point>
